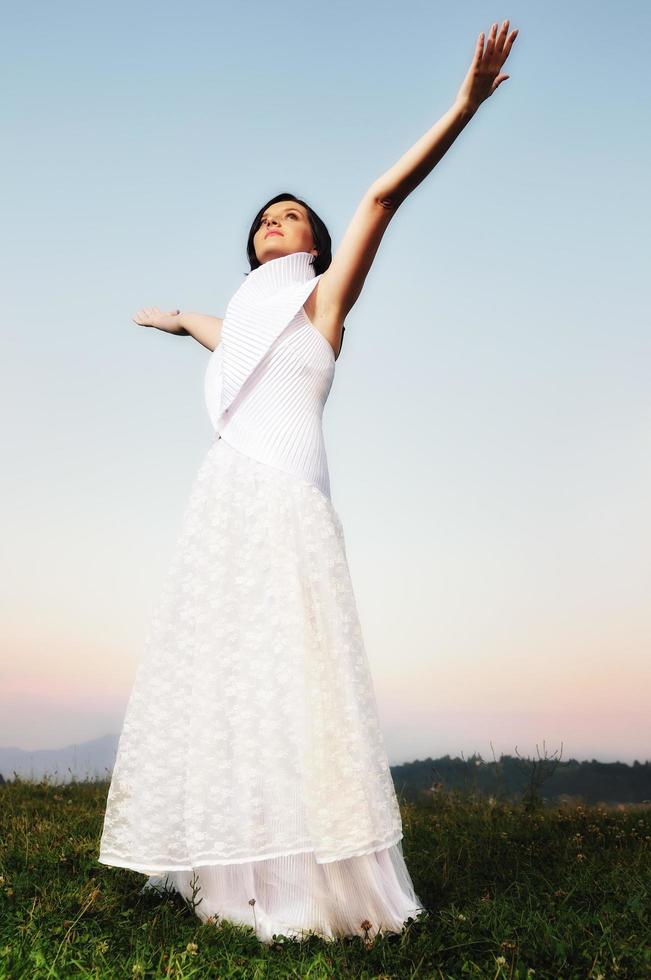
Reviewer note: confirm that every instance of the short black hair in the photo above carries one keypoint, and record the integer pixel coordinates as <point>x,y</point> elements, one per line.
<point>320,235</point>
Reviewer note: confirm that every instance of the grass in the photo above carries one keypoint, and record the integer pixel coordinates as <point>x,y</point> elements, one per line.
<point>511,891</point>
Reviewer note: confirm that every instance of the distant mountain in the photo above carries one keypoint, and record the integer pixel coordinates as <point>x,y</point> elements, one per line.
<point>591,781</point>
<point>88,760</point>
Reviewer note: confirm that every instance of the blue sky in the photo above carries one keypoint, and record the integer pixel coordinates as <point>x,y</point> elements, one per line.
<point>488,426</point>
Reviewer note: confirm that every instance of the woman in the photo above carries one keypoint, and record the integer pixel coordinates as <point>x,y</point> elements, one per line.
<point>251,773</point>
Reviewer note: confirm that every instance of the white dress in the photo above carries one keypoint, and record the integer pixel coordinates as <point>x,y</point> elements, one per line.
<point>251,771</point>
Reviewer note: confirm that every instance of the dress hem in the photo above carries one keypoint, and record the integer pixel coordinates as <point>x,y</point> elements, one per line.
<point>114,861</point>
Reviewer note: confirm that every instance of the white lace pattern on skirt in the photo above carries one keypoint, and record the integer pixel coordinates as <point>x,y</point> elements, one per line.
<point>252,730</point>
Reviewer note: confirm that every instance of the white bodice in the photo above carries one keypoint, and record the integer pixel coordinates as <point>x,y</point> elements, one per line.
<point>269,378</point>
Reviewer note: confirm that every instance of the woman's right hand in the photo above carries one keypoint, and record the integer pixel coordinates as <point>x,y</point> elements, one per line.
<point>485,74</point>
<point>152,316</point>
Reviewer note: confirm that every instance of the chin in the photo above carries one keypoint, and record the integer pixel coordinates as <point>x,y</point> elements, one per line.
<point>283,249</point>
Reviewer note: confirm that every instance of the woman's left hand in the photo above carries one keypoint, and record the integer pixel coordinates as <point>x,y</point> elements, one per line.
<point>484,76</point>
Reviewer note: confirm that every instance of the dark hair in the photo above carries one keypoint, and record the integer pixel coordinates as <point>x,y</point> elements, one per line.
<point>320,235</point>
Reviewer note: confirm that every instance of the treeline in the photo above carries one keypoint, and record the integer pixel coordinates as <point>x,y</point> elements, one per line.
<point>516,778</point>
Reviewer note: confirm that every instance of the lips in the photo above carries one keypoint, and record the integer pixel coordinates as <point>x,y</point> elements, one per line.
<point>274,233</point>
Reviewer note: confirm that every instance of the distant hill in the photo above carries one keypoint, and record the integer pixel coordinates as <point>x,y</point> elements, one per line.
<point>91,760</point>
<point>508,778</point>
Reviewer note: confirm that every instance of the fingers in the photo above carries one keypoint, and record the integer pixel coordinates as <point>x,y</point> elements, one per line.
<point>509,44</point>
<point>145,314</point>
<point>490,43</point>
<point>503,44</point>
<point>501,37</point>
<point>498,44</point>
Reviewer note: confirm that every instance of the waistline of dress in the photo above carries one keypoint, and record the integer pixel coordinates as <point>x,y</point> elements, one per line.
<point>291,474</point>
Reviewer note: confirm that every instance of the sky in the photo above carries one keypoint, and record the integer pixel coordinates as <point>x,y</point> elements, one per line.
<point>488,426</point>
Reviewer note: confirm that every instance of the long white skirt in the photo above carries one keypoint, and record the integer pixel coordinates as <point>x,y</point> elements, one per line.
<point>251,773</point>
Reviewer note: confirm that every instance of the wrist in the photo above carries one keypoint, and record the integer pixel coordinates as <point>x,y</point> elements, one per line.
<point>465,109</point>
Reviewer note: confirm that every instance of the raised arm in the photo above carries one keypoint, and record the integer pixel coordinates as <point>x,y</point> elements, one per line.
<point>342,282</point>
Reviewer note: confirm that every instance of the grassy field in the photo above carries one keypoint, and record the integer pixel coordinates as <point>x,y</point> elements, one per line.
<point>511,891</point>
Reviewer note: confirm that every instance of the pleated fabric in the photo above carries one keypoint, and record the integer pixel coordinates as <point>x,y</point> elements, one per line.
<point>267,382</point>
<point>298,897</point>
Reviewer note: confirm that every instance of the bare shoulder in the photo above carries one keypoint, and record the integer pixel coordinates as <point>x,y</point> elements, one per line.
<point>328,322</point>
<point>340,285</point>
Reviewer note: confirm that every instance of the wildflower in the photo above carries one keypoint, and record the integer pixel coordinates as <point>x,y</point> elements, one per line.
<point>192,948</point>
<point>461,916</point>
<point>580,857</point>
<point>500,960</point>
<point>102,947</point>
<point>252,904</point>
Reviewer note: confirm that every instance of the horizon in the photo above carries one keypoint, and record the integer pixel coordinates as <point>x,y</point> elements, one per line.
<point>459,755</point>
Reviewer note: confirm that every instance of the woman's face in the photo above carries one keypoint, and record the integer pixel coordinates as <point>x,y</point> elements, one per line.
<point>284,228</point>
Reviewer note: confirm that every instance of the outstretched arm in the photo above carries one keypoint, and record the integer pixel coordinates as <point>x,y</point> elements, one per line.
<point>483,78</point>
<point>204,328</point>
<point>342,282</point>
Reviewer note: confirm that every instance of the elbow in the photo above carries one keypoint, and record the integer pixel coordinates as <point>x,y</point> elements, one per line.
<point>389,202</point>
<point>385,199</point>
